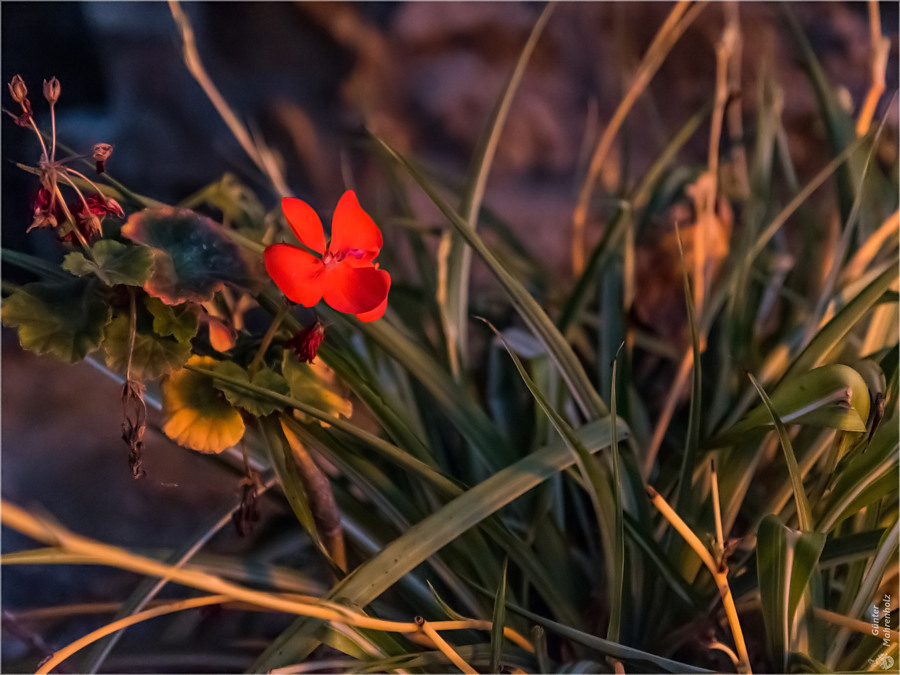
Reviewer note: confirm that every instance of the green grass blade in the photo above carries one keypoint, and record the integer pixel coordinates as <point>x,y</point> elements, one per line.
<point>886,557</point>
<point>785,561</point>
<point>843,322</point>
<point>289,476</point>
<point>428,536</point>
<point>459,258</point>
<point>587,282</point>
<point>613,649</point>
<point>864,479</point>
<point>559,350</point>
<point>804,514</point>
<point>685,499</point>
<point>595,480</point>
<point>618,554</point>
<point>456,404</point>
<point>498,620</point>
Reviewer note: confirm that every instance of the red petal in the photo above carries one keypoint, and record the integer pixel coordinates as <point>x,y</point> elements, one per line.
<point>297,273</point>
<point>353,231</point>
<point>305,223</point>
<point>378,312</point>
<point>354,289</point>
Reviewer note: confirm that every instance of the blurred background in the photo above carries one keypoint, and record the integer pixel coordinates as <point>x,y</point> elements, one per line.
<point>309,78</point>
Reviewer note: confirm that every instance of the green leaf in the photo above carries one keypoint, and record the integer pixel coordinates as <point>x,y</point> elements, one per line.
<point>116,263</point>
<point>833,396</point>
<point>63,318</point>
<point>497,622</point>
<point>312,384</point>
<point>180,321</point>
<point>241,397</point>
<point>195,413</point>
<point>153,356</point>
<point>785,561</point>
<point>193,257</point>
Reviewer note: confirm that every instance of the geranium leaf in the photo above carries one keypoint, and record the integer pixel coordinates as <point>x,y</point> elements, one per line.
<point>180,321</point>
<point>192,256</point>
<point>117,263</point>
<point>312,383</point>
<point>63,318</point>
<point>153,356</point>
<point>195,413</point>
<point>253,403</point>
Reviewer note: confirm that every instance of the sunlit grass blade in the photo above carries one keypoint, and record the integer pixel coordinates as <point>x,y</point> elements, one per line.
<point>455,309</point>
<point>149,588</point>
<point>560,351</point>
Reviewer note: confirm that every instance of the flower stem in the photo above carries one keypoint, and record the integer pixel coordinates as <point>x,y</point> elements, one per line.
<point>267,340</point>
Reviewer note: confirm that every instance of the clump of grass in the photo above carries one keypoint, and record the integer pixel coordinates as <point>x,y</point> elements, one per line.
<point>507,511</point>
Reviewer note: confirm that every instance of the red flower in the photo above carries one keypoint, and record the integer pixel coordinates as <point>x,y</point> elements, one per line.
<point>345,276</point>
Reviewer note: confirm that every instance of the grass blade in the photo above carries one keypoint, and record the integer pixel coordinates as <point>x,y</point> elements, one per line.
<point>426,537</point>
<point>559,350</point>
<point>497,622</point>
<point>804,514</point>
<point>786,560</point>
<point>459,260</point>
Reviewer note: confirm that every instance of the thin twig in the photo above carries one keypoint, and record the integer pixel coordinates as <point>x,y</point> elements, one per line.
<point>717,512</point>
<point>444,648</point>
<point>61,655</point>
<point>719,572</point>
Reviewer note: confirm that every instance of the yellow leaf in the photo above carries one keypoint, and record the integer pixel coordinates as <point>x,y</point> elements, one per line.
<point>196,414</point>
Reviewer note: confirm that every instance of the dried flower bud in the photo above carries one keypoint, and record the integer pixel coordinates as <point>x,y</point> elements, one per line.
<point>100,153</point>
<point>305,344</point>
<point>51,90</point>
<point>18,90</point>
<point>47,210</point>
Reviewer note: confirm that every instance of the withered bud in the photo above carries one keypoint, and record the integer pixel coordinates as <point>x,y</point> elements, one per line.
<point>51,90</point>
<point>100,153</point>
<point>18,90</point>
<point>305,344</point>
